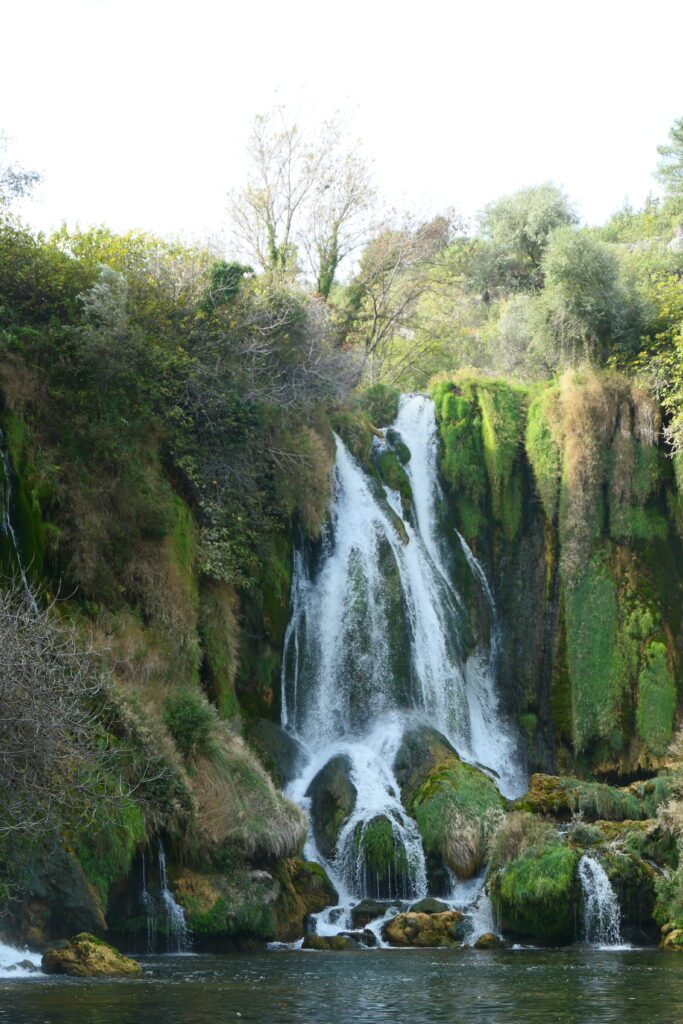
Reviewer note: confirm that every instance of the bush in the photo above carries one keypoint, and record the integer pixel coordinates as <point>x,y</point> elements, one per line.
<point>190,720</point>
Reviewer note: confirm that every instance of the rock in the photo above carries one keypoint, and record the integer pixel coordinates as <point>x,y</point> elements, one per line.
<point>239,906</point>
<point>561,797</point>
<point>429,906</point>
<point>369,910</point>
<point>23,965</point>
<point>534,895</point>
<point>673,939</point>
<point>85,956</point>
<point>411,929</point>
<point>333,798</point>
<point>281,753</point>
<point>304,889</point>
<point>488,941</point>
<point>422,749</point>
<point>364,938</point>
<point>329,942</point>
<point>383,855</point>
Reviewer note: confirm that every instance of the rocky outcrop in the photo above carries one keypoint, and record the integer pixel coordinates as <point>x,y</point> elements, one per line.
<point>411,929</point>
<point>85,956</point>
<point>304,889</point>
<point>333,798</point>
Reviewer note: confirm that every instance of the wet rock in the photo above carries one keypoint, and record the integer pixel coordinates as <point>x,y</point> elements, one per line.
<point>304,889</point>
<point>383,855</point>
<point>411,929</point>
<point>422,749</point>
<point>24,965</point>
<point>329,942</point>
<point>429,906</point>
<point>672,937</point>
<point>281,753</point>
<point>488,941</point>
<point>364,938</point>
<point>369,910</point>
<point>333,798</point>
<point>85,956</point>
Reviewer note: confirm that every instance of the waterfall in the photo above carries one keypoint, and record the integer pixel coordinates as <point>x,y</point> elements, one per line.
<point>6,527</point>
<point>379,638</point>
<point>18,963</point>
<point>150,909</point>
<point>175,915</point>
<point>601,914</point>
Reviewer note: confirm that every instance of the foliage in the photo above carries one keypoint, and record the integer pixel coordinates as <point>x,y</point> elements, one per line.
<point>189,719</point>
<point>656,698</point>
<point>543,451</point>
<point>533,894</point>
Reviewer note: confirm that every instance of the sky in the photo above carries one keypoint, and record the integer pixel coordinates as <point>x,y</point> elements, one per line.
<point>137,112</point>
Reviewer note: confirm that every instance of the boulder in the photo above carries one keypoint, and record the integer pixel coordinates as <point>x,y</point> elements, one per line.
<point>409,929</point>
<point>429,906</point>
<point>304,889</point>
<point>281,753</point>
<point>369,910</point>
<point>333,798</point>
<point>86,956</point>
<point>535,894</point>
<point>422,749</point>
<point>488,941</point>
<point>334,943</point>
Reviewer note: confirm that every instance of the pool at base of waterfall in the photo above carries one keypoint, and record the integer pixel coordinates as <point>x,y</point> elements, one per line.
<point>509,986</point>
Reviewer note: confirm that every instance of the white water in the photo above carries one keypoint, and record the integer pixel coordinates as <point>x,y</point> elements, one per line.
<point>10,957</point>
<point>374,645</point>
<point>175,915</point>
<point>601,913</point>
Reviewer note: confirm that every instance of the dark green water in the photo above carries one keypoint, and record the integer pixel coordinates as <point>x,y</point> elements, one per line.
<point>401,987</point>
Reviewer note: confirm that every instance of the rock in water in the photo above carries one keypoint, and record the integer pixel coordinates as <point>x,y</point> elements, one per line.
<point>86,956</point>
<point>411,929</point>
<point>488,941</point>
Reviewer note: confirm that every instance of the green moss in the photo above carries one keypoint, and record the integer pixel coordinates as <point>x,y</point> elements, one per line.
<point>591,624</point>
<point>462,458</point>
<point>501,420</point>
<point>382,854</point>
<point>543,452</point>
<point>219,637</point>
<point>533,894</point>
<point>656,699</point>
<point>105,850</point>
<point>355,431</point>
<point>394,475</point>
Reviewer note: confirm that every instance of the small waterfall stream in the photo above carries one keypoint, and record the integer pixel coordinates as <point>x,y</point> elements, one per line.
<point>380,638</point>
<point>175,915</point>
<point>601,913</point>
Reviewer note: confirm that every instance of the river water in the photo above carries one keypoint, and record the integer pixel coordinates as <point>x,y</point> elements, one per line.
<point>461,986</point>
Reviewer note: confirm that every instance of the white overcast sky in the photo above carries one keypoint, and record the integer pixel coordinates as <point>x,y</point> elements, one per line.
<point>137,111</point>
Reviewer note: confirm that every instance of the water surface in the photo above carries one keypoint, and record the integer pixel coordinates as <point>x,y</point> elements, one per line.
<point>460,986</point>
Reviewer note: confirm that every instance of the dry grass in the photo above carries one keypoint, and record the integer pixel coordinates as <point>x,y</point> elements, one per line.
<point>515,834</point>
<point>466,839</point>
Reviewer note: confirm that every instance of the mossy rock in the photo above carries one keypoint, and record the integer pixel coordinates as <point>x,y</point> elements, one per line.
<point>534,895</point>
<point>413,929</point>
<point>633,881</point>
<point>369,910</point>
<point>384,857</point>
<point>428,905</point>
<point>330,943</point>
<point>422,749</point>
<point>333,798</point>
<point>304,889</point>
<point>672,938</point>
<point>489,940</point>
<point>86,956</point>
<point>398,446</point>
<point>394,475</point>
<point>281,753</point>
<point>561,797</point>
<point>237,906</point>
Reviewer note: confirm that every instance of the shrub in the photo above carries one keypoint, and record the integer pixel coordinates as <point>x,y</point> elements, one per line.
<point>190,720</point>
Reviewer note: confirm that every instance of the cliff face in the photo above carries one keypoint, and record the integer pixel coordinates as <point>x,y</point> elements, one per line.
<point>566,494</point>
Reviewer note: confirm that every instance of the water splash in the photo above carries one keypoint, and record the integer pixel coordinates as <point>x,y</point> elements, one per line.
<point>18,963</point>
<point>601,913</point>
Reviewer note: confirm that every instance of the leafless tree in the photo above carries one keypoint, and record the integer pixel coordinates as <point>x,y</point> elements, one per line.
<point>54,762</point>
<point>303,198</point>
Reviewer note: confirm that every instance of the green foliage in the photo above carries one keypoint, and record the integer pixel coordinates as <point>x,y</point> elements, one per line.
<point>105,849</point>
<point>656,699</point>
<point>542,450</point>
<point>380,403</point>
<point>462,458</point>
<point>501,424</point>
<point>393,474</point>
<point>190,720</point>
<point>670,169</point>
<point>533,894</point>
<point>382,854</point>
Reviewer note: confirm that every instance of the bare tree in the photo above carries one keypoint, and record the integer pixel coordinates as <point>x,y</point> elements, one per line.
<point>54,762</point>
<point>302,197</point>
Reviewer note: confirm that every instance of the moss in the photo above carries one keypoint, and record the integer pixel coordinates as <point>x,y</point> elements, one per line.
<point>501,421</point>
<point>106,850</point>
<point>394,475</point>
<point>383,855</point>
<point>462,457</point>
<point>563,796</point>
<point>533,895</point>
<point>656,699</point>
<point>355,431</point>
<point>219,635</point>
<point>543,452</point>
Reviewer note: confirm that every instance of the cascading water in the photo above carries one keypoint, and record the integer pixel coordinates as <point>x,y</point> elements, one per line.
<point>380,638</point>
<point>18,963</point>
<point>601,913</point>
<point>175,915</point>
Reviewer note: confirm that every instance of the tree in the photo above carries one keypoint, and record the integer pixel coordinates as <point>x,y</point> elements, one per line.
<point>514,234</point>
<point>15,182</point>
<point>303,198</point>
<point>669,172</point>
<point>399,266</point>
